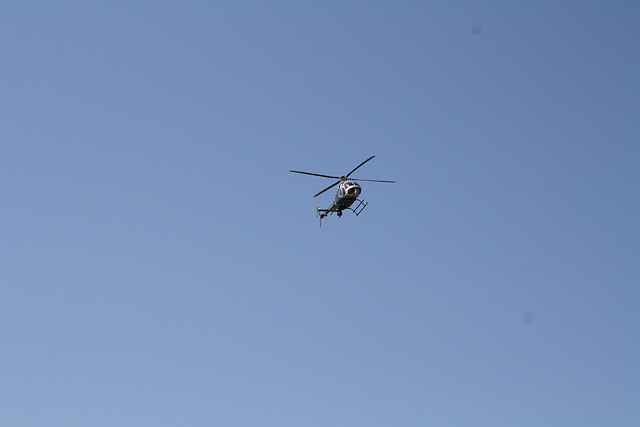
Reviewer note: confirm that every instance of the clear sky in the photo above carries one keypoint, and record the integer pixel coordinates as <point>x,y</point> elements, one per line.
<point>160,266</point>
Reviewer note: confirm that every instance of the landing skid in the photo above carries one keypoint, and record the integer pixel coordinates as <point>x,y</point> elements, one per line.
<point>356,208</point>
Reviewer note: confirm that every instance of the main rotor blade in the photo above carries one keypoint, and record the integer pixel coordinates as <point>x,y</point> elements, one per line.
<point>347,175</point>
<point>371,180</point>
<point>331,186</point>
<point>316,174</point>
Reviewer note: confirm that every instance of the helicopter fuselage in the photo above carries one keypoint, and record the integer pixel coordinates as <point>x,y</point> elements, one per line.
<point>346,194</point>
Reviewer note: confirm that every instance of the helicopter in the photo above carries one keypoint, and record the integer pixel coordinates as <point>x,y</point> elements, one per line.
<point>346,194</point>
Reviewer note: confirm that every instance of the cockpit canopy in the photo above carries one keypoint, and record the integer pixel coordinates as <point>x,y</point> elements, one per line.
<point>351,189</point>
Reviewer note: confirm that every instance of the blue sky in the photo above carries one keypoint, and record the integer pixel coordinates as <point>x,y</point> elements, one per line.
<point>160,266</point>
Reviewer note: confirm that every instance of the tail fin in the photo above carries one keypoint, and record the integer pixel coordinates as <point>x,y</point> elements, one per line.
<point>322,213</point>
